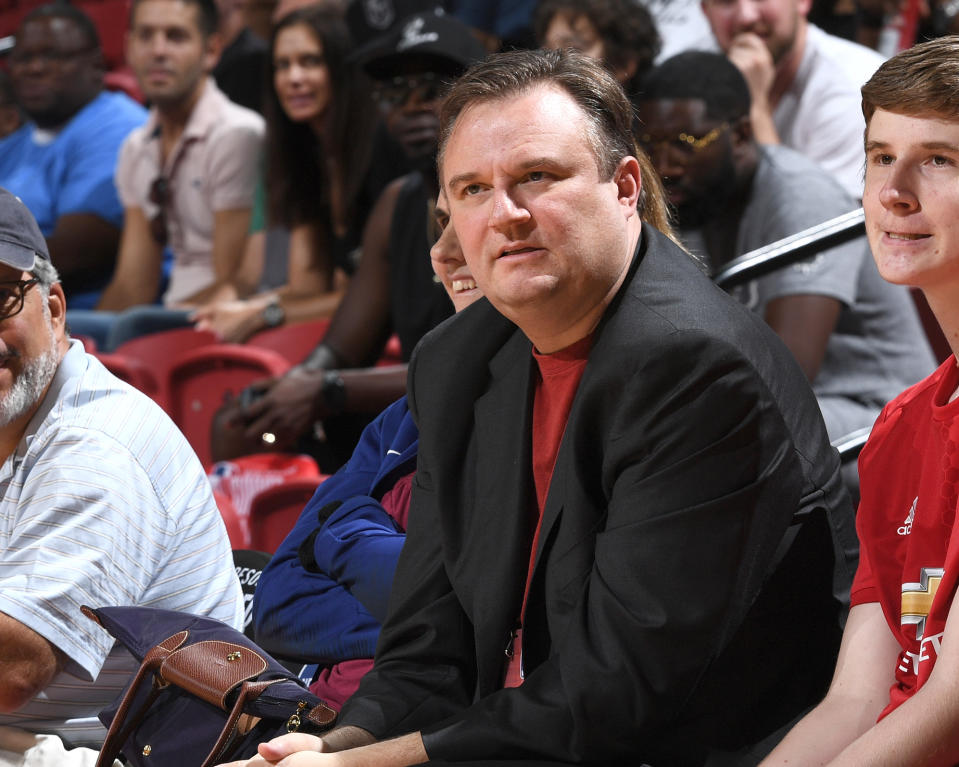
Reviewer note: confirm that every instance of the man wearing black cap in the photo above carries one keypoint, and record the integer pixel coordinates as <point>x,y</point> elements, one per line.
<point>393,289</point>
<point>102,502</point>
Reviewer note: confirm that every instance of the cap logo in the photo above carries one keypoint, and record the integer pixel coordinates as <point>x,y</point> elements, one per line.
<point>413,35</point>
<point>379,13</point>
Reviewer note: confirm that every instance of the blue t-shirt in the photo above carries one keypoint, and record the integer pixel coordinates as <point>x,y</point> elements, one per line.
<point>72,170</point>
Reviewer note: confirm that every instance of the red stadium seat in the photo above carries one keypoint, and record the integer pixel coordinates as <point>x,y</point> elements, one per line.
<point>275,510</point>
<point>292,341</point>
<point>200,380</point>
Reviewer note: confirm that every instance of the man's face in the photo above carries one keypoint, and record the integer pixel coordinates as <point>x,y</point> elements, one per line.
<point>55,71</point>
<point>168,52</point>
<point>775,21</point>
<point>692,154</point>
<point>30,343</point>
<point>410,101</point>
<point>545,238</point>
<point>911,200</point>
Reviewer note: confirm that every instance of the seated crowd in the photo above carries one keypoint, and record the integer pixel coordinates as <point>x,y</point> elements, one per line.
<point>592,513</point>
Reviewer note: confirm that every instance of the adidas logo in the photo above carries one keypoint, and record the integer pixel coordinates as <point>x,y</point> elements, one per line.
<point>907,524</point>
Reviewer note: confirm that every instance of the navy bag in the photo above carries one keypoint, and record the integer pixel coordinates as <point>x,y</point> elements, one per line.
<point>204,692</point>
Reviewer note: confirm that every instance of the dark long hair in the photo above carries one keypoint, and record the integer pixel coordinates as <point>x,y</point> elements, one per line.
<point>302,168</point>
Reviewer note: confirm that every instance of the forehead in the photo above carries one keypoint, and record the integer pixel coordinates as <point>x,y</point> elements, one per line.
<point>166,13</point>
<point>543,120</point>
<point>55,31</point>
<point>673,114</point>
<point>905,130</point>
<point>299,36</point>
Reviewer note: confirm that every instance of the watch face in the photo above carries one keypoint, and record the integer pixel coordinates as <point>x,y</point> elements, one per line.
<point>273,315</point>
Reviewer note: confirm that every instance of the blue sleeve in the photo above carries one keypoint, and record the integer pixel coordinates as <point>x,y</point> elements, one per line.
<point>310,616</point>
<point>358,546</point>
<point>86,184</point>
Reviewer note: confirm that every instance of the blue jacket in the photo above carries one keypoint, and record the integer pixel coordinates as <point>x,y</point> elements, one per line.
<point>332,611</point>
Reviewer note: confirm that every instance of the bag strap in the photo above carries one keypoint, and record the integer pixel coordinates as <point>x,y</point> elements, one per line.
<point>248,691</point>
<point>120,728</point>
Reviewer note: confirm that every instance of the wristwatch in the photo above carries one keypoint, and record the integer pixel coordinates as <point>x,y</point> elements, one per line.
<point>333,393</point>
<point>273,314</point>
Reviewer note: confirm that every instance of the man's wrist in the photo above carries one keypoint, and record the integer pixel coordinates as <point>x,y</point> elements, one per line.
<point>333,393</point>
<point>321,358</point>
<point>346,737</point>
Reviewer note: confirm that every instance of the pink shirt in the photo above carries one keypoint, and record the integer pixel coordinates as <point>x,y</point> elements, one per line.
<point>214,166</point>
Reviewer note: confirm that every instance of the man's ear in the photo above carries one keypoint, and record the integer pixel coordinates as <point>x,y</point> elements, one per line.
<point>214,47</point>
<point>57,304</point>
<point>629,182</point>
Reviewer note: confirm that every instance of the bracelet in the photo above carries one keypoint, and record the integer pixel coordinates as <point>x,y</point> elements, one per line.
<point>321,358</point>
<point>333,393</point>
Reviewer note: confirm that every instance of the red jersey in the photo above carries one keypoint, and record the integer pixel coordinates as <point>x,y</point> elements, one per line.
<point>909,556</point>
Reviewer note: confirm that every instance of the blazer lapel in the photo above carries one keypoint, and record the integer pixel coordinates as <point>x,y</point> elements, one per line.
<point>492,567</point>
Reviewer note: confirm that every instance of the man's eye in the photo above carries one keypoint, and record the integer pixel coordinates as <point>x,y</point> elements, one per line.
<point>471,189</point>
<point>536,175</point>
<point>940,161</point>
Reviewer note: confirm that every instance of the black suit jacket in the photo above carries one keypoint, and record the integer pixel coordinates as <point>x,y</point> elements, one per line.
<point>674,611</point>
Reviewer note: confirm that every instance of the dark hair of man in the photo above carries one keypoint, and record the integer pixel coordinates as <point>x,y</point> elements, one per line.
<point>208,13</point>
<point>608,112</point>
<point>627,29</point>
<point>708,77</point>
<point>303,168</point>
<point>920,81</point>
<point>63,11</point>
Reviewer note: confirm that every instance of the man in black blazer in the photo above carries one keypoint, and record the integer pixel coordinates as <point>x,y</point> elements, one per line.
<point>619,545</point>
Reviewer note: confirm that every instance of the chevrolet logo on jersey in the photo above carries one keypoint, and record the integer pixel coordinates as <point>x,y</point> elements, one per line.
<point>917,598</point>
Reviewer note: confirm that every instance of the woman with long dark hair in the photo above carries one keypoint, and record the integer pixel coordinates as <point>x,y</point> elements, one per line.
<point>320,124</point>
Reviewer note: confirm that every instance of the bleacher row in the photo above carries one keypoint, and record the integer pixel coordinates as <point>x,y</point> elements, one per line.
<point>190,375</point>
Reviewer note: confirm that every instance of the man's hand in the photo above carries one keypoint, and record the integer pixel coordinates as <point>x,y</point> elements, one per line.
<point>298,750</point>
<point>288,409</point>
<point>753,59</point>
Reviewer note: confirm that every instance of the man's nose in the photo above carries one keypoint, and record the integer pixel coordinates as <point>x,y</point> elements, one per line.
<point>897,194</point>
<point>507,211</point>
<point>747,14</point>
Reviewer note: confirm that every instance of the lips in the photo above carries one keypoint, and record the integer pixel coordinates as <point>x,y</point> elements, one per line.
<point>517,251</point>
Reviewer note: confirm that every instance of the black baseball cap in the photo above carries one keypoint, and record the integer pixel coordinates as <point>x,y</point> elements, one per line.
<point>441,40</point>
<point>20,238</point>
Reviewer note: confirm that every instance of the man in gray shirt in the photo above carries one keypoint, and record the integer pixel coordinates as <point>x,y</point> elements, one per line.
<point>857,338</point>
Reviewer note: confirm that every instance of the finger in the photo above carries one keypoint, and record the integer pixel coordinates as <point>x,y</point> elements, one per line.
<point>283,746</point>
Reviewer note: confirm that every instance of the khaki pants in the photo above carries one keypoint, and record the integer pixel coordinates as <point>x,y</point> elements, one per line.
<point>19,748</point>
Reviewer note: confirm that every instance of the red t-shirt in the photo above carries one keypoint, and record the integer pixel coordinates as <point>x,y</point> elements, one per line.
<point>557,379</point>
<point>909,546</point>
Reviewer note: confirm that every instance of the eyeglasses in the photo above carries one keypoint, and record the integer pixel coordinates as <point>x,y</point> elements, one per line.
<point>685,144</point>
<point>47,57</point>
<point>400,89</point>
<point>160,196</point>
<point>12,296</point>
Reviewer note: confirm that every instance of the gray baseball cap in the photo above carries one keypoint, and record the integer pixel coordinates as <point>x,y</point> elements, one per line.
<point>20,238</point>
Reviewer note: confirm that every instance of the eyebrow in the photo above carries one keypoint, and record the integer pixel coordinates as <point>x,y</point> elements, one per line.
<point>928,145</point>
<point>534,162</point>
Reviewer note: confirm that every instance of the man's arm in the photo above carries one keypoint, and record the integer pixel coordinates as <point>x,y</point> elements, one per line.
<point>230,229</point>
<point>804,323</point>
<point>924,729</point>
<point>81,244</point>
<point>136,279</point>
<point>28,663</point>
<point>858,692</point>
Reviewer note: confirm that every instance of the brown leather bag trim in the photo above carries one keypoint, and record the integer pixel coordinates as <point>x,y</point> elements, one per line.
<point>212,669</point>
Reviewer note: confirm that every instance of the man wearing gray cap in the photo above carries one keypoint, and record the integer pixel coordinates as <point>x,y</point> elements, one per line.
<point>102,502</point>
